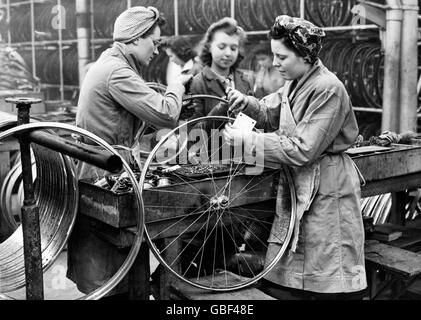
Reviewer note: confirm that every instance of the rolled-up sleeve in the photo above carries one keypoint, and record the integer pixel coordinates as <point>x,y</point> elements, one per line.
<point>132,93</point>
<point>321,124</point>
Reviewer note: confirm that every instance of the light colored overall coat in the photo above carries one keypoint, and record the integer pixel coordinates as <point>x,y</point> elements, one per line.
<point>311,123</point>
<point>114,101</point>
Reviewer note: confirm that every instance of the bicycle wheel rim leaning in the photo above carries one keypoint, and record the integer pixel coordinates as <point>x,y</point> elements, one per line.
<point>138,237</point>
<point>212,215</point>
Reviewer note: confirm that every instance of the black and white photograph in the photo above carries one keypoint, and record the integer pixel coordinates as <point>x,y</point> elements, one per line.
<point>212,157</point>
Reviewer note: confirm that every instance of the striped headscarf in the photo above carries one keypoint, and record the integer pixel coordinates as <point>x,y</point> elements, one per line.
<point>134,22</point>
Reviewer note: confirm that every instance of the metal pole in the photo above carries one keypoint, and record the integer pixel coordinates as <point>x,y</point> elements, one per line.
<point>176,27</point>
<point>34,69</point>
<point>232,9</point>
<point>409,67</point>
<point>91,21</point>
<point>82,20</point>
<point>30,211</point>
<point>60,47</point>
<point>86,153</point>
<point>9,36</point>
<point>419,86</point>
<point>302,9</point>
<point>390,116</point>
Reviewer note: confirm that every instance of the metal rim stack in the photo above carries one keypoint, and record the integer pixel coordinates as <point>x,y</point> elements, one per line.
<point>58,225</point>
<point>56,189</point>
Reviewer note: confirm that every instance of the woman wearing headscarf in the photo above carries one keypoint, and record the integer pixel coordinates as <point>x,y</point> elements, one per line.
<point>114,102</point>
<point>221,55</point>
<point>309,123</point>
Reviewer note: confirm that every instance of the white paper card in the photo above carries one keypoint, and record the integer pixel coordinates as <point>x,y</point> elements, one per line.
<point>244,122</point>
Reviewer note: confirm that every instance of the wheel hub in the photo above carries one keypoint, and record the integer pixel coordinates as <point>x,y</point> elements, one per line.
<point>219,203</point>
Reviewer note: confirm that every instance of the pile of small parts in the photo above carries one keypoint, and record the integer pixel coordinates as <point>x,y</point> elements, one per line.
<point>201,169</point>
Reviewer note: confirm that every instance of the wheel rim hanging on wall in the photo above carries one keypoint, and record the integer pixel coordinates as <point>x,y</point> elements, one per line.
<point>216,235</point>
<point>11,250</point>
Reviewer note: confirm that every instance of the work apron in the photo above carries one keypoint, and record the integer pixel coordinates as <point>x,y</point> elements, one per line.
<point>326,251</point>
<point>306,180</point>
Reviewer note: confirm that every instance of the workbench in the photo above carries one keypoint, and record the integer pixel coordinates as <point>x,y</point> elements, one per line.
<point>391,171</point>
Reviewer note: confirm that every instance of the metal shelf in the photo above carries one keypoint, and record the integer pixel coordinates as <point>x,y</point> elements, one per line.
<point>34,44</point>
<point>364,109</point>
<point>65,86</point>
<point>43,43</point>
<point>373,110</point>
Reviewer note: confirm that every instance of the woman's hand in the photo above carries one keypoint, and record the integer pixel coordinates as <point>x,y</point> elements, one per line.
<point>184,78</point>
<point>237,101</point>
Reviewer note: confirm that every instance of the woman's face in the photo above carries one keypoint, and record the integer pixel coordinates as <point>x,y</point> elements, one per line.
<point>289,64</point>
<point>224,50</point>
<point>174,58</point>
<point>145,49</point>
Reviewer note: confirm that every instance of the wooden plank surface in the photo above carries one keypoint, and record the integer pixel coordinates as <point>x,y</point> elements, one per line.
<point>164,202</point>
<point>403,263</point>
<point>183,290</point>
<point>411,237</point>
<point>402,160</point>
<point>393,184</point>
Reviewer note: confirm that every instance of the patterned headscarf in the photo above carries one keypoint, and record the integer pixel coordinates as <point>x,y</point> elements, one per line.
<point>134,22</point>
<point>305,36</point>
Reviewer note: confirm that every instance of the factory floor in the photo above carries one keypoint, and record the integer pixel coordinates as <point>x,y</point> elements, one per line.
<point>58,287</point>
<point>56,284</point>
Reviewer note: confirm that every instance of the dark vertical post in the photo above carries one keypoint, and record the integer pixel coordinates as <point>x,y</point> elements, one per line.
<point>139,274</point>
<point>30,212</point>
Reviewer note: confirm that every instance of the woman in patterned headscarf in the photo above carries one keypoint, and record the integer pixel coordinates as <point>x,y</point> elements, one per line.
<point>309,124</point>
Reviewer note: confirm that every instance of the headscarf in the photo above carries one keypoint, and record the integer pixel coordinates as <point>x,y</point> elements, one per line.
<point>134,22</point>
<point>305,36</point>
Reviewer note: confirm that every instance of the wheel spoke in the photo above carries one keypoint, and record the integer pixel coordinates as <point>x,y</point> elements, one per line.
<point>180,220</point>
<point>176,238</point>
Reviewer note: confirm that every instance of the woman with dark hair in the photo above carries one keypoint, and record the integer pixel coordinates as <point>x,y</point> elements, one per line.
<point>180,52</point>
<point>221,54</point>
<point>309,125</point>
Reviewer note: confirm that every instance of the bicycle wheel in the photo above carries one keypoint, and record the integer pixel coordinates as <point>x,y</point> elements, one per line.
<point>369,73</point>
<point>209,213</point>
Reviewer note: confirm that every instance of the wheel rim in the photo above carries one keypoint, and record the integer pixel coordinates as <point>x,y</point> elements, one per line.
<point>211,217</point>
<point>118,276</point>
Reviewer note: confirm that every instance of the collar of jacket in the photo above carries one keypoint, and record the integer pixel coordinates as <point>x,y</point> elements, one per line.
<point>317,66</point>
<point>121,50</point>
<point>211,75</point>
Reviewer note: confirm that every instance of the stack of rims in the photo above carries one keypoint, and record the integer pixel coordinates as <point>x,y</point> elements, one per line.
<point>56,191</point>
